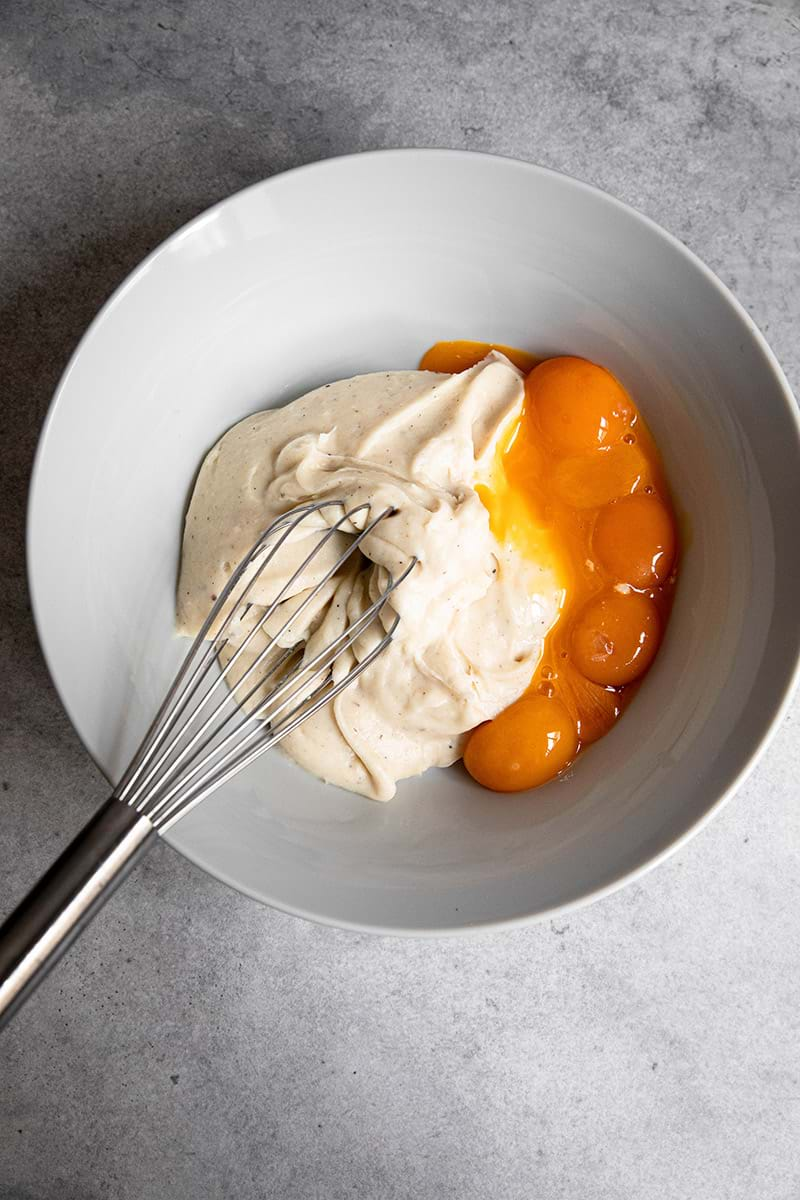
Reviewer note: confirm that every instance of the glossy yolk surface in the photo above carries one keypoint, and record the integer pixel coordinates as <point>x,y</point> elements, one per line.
<point>527,744</point>
<point>615,637</point>
<point>578,483</point>
<point>580,406</point>
<point>634,539</point>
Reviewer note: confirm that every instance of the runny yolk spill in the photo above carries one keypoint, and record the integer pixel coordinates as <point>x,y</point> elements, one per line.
<point>577,482</point>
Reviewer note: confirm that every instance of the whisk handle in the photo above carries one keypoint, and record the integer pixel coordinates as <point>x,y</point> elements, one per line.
<point>66,898</point>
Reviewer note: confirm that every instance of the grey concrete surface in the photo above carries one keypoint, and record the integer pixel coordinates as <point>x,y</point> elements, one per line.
<point>193,1044</point>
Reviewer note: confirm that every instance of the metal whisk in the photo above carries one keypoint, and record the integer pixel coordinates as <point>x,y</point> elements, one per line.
<point>239,691</point>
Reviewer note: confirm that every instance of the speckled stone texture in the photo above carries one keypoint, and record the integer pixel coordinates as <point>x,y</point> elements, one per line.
<point>193,1044</point>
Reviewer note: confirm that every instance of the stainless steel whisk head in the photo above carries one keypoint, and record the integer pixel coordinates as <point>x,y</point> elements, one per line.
<point>213,723</point>
<point>240,690</point>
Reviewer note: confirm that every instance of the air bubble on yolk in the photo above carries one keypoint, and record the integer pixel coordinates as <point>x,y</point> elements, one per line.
<point>526,745</point>
<point>578,405</point>
<point>615,637</point>
<point>634,539</point>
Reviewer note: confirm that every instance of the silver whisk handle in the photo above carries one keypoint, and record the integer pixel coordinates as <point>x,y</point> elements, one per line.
<point>66,898</point>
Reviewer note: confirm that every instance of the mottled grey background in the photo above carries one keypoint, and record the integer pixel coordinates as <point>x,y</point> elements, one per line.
<point>195,1045</point>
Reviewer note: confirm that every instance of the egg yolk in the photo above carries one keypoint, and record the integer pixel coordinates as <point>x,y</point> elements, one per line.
<point>634,539</point>
<point>578,483</point>
<point>527,744</point>
<point>578,405</point>
<point>589,481</point>
<point>615,637</point>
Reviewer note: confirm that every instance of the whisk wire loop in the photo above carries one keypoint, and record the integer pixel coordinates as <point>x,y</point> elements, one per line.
<point>235,697</point>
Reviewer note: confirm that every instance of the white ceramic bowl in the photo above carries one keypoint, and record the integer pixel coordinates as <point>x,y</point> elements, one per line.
<point>359,264</point>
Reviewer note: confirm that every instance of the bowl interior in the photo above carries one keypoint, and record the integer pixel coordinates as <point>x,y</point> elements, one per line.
<point>359,264</point>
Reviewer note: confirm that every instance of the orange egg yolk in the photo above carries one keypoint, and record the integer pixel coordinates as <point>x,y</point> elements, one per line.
<point>580,482</point>
<point>527,744</point>
<point>615,637</point>
<point>578,406</point>
<point>634,540</point>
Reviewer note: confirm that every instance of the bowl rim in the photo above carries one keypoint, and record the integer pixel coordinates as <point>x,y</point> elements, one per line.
<point>474,928</point>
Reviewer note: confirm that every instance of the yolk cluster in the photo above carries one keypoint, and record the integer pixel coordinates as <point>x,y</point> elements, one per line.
<point>582,470</point>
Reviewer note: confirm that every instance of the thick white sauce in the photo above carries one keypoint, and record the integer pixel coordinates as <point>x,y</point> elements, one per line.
<point>474,613</point>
